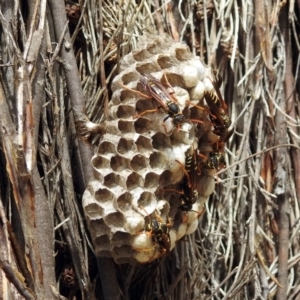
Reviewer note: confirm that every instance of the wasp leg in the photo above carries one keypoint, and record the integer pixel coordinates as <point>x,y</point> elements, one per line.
<point>158,217</point>
<point>146,112</point>
<point>135,91</point>
<point>186,173</point>
<point>202,156</point>
<point>170,222</point>
<point>185,218</point>
<point>199,214</point>
<point>147,231</point>
<point>197,121</point>
<point>200,107</point>
<point>212,116</point>
<point>169,86</point>
<point>162,253</point>
<point>145,249</point>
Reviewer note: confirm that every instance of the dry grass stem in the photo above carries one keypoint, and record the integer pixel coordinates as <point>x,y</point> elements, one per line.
<point>247,244</point>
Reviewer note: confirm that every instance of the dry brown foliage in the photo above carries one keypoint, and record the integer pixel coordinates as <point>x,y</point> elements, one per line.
<point>247,246</point>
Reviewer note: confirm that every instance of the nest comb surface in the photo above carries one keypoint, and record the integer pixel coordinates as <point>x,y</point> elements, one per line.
<point>139,162</point>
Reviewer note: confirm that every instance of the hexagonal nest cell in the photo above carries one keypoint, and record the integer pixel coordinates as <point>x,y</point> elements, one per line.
<point>152,179</point>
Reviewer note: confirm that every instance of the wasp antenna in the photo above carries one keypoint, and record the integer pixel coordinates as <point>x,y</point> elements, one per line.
<point>135,91</point>
<point>195,105</point>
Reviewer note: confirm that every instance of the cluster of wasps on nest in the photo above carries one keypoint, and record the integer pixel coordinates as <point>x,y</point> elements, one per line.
<point>217,111</point>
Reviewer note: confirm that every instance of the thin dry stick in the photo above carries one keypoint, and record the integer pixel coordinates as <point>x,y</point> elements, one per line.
<point>172,22</point>
<point>102,69</point>
<point>291,111</point>
<point>158,18</point>
<point>256,154</point>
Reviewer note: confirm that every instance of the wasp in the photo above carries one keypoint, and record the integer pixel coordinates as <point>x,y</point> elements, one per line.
<point>221,121</point>
<point>166,101</point>
<point>189,196</point>
<point>189,184</point>
<point>218,108</point>
<point>160,234</point>
<point>156,90</point>
<point>215,160</point>
<point>189,187</point>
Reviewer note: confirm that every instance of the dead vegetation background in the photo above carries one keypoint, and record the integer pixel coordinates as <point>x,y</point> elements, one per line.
<point>247,246</point>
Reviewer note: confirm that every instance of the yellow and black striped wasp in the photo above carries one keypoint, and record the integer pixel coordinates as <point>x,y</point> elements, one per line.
<point>218,116</point>
<point>160,234</point>
<point>189,185</point>
<point>159,231</point>
<point>215,160</point>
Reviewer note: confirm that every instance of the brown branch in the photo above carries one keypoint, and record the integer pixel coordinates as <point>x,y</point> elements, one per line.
<point>13,278</point>
<point>6,264</point>
<point>291,109</point>
<point>158,18</point>
<point>44,232</point>
<point>172,22</point>
<point>282,185</point>
<point>283,246</point>
<point>73,81</point>
<point>22,189</point>
<point>20,257</point>
<point>263,35</point>
<point>77,101</point>
<point>102,68</point>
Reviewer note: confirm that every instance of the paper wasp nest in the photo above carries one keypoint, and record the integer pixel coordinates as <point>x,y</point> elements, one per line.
<point>140,162</point>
